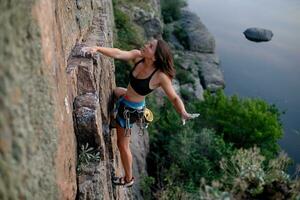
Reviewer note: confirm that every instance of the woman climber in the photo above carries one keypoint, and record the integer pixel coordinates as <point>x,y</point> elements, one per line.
<point>153,69</point>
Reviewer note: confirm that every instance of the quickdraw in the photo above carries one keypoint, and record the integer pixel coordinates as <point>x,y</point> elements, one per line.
<point>142,118</point>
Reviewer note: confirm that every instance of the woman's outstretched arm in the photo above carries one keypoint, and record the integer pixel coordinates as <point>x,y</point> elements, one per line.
<point>115,52</point>
<point>166,84</point>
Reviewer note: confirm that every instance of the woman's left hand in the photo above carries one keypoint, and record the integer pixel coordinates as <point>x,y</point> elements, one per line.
<point>187,116</point>
<point>88,51</point>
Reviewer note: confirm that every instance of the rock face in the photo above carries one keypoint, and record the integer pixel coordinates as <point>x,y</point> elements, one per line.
<point>52,101</point>
<point>199,38</point>
<point>146,15</point>
<point>149,21</point>
<point>194,53</point>
<point>139,147</point>
<point>258,34</point>
<point>205,67</point>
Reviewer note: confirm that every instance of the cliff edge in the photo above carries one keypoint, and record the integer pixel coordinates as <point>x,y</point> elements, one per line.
<point>54,102</point>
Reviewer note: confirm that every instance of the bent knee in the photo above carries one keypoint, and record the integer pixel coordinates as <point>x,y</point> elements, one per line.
<point>119,91</point>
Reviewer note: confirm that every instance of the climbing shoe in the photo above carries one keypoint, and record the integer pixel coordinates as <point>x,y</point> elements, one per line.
<point>122,181</point>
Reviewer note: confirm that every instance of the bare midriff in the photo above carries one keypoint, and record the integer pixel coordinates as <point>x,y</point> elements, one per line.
<point>131,95</point>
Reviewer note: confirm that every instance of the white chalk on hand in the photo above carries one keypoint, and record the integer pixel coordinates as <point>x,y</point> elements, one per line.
<point>192,116</point>
<point>85,51</point>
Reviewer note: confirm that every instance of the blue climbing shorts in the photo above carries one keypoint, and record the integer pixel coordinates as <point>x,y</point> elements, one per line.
<point>129,112</point>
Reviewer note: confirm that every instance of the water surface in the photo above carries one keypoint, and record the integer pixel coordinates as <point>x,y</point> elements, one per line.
<point>269,70</point>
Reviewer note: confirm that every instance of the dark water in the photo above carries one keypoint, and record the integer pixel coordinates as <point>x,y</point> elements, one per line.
<point>270,70</point>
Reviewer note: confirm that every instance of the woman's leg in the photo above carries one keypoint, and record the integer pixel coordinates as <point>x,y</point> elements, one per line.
<point>124,148</point>
<point>117,93</point>
<point>124,141</point>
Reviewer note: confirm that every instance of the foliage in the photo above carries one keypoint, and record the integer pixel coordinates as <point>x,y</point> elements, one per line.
<point>87,155</point>
<point>182,154</point>
<point>245,176</point>
<point>170,10</point>
<point>212,191</point>
<point>205,192</point>
<point>184,76</point>
<point>185,94</point>
<point>244,122</point>
<point>167,30</point>
<point>127,38</point>
<point>193,150</point>
<point>145,185</point>
<point>243,169</point>
<point>172,192</point>
<point>144,4</point>
<point>181,35</point>
<point>122,73</point>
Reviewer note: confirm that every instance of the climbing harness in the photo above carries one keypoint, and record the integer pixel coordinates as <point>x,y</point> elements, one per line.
<point>131,116</point>
<point>141,115</point>
<point>144,121</point>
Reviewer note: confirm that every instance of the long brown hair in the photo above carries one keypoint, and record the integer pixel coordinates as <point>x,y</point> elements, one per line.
<point>164,58</point>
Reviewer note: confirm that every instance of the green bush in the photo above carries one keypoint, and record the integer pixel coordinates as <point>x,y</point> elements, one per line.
<point>167,30</point>
<point>182,36</point>
<point>243,122</point>
<point>87,155</point>
<point>145,185</point>
<point>185,94</point>
<point>122,73</point>
<point>172,192</point>
<point>181,154</point>
<point>197,154</point>
<point>127,39</point>
<point>144,4</point>
<point>170,10</point>
<point>246,177</point>
<point>184,76</point>
<point>127,36</point>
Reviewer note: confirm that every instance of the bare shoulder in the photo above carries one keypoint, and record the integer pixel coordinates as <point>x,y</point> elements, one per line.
<point>163,78</point>
<point>166,84</point>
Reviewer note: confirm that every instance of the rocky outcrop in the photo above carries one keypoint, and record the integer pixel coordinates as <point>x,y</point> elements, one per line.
<point>199,38</point>
<point>150,22</point>
<point>204,68</point>
<point>53,101</point>
<point>139,147</point>
<point>146,15</point>
<point>38,144</point>
<point>94,82</point>
<point>194,48</point>
<point>258,34</point>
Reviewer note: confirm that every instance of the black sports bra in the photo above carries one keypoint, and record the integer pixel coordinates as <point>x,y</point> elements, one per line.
<point>140,86</point>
